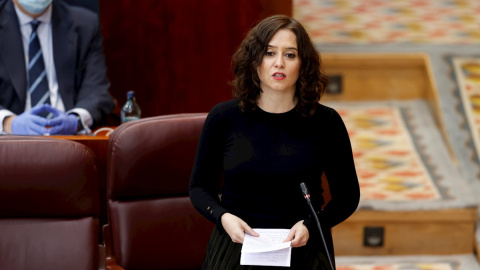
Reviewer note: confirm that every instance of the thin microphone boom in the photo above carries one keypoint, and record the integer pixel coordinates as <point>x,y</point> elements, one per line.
<point>306,194</point>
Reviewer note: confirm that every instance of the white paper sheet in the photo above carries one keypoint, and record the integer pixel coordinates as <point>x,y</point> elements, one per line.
<point>268,249</point>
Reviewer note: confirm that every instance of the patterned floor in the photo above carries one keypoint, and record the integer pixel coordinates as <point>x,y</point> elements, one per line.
<point>466,72</point>
<point>388,165</point>
<point>390,21</point>
<point>401,160</point>
<point>398,266</point>
<point>444,262</point>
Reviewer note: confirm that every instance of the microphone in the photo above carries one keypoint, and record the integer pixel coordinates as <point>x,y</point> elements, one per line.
<point>306,192</point>
<point>306,195</point>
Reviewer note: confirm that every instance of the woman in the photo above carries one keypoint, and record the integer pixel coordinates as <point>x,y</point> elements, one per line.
<point>265,142</point>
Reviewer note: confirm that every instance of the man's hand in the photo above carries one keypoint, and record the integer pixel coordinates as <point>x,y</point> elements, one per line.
<point>61,123</point>
<point>298,235</point>
<point>236,228</point>
<point>29,122</point>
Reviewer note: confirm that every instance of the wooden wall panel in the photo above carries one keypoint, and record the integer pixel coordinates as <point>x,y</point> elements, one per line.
<point>436,232</point>
<point>176,54</point>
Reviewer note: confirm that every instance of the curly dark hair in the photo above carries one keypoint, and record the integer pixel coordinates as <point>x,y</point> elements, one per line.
<point>311,83</point>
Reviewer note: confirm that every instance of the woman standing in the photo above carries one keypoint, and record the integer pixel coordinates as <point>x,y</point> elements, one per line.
<point>267,140</point>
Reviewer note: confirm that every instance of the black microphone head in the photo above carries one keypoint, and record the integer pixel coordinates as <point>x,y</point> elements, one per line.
<point>304,189</point>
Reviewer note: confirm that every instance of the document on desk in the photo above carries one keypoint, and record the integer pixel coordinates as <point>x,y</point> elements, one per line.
<point>268,249</point>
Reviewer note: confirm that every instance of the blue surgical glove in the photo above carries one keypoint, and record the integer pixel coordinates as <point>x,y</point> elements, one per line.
<point>62,123</point>
<point>30,122</point>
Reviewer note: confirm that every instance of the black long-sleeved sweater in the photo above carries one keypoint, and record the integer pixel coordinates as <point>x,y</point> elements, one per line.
<point>264,157</point>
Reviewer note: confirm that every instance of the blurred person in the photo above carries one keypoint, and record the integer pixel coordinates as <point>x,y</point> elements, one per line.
<point>52,69</point>
<point>267,140</point>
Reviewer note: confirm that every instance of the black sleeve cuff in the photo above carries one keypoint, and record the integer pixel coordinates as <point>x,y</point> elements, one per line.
<point>311,222</point>
<point>308,222</point>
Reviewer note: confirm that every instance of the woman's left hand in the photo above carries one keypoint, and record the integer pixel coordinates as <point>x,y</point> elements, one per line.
<point>298,235</point>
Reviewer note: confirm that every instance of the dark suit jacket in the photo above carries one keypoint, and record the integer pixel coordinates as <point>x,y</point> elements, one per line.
<point>78,58</point>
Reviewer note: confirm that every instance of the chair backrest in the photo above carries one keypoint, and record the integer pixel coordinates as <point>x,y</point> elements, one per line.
<point>153,223</point>
<point>48,204</point>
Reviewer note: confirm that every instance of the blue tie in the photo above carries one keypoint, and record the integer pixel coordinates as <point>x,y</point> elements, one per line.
<point>37,76</point>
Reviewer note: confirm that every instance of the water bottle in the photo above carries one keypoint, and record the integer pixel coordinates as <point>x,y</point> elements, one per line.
<point>130,111</point>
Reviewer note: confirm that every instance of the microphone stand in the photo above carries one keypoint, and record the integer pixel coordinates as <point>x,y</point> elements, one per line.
<point>306,194</point>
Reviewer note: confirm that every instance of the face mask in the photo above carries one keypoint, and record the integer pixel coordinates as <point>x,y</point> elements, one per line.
<point>35,6</point>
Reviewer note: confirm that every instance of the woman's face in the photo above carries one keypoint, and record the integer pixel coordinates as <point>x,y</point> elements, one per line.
<point>280,65</point>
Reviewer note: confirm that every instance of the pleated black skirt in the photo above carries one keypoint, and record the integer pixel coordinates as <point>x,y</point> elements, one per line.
<point>224,254</point>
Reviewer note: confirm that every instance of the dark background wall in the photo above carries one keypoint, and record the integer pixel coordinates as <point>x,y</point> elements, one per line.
<point>176,53</point>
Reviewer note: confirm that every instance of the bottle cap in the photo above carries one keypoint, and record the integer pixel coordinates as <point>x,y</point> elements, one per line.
<point>130,94</point>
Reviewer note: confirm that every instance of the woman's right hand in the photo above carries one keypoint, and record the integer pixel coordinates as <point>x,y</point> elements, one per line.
<point>236,227</point>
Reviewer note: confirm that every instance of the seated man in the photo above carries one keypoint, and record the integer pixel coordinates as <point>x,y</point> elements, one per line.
<point>52,69</point>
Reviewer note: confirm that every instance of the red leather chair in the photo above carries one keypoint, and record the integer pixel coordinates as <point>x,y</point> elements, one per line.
<point>153,224</point>
<point>48,204</point>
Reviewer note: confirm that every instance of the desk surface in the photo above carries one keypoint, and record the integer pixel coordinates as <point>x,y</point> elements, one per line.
<point>82,137</point>
<point>101,134</point>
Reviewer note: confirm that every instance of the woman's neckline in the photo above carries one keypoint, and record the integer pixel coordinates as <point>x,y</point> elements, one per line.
<point>277,108</point>
<point>276,113</point>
